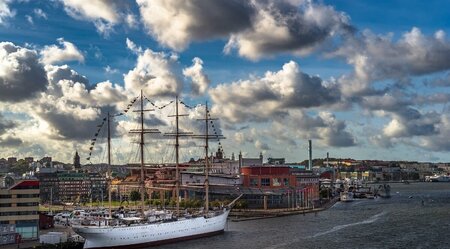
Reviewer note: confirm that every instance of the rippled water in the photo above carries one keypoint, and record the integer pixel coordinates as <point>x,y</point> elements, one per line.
<point>402,221</point>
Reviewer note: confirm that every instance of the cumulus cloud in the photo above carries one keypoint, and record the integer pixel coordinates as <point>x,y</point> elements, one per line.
<point>297,27</point>
<point>335,133</point>
<point>200,81</point>
<point>54,54</point>
<point>21,73</point>
<point>157,73</point>
<point>5,11</point>
<point>323,127</point>
<point>175,24</point>
<point>271,95</point>
<point>254,28</point>
<point>439,142</point>
<point>377,57</point>
<point>67,110</point>
<point>105,14</point>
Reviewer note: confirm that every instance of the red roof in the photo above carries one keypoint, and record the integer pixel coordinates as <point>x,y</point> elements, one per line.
<point>26,183</point>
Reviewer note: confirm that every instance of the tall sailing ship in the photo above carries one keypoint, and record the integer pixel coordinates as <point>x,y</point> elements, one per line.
<point>157,227</point>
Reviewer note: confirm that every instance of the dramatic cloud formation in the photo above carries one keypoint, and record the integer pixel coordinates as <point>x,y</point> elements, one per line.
<point>54,55</point>
<point>175,24</point>
<point>21,73</point>
<point>286,27</point>
<point>254,28</point>
<point>269,96</point>
<point>378,58</point>
<point>340,85</point>
<point>439,142</point>
<point>324,128</point>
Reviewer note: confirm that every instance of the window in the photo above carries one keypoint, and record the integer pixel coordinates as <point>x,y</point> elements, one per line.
<point>276,182</point>
<point>286,182</point>
<point>253,182</point>
<point>27,204</point>
<point>27,195</point>
<point>5,196</point>
<point>265,181</point>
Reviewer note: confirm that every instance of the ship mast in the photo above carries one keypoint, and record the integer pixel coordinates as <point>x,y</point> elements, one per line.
<point>142,183</point>
<point>177,159</point>
<point>109,167</point>
<point>177,136</point>
<point>141,132</point>
<point>206,159</point>
<point>206,136</point>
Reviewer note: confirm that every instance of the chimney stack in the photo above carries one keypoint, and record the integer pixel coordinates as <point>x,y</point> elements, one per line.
<point>310,155</point>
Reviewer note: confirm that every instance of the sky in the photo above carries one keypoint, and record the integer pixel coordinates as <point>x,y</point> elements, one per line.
<point>361,79</point>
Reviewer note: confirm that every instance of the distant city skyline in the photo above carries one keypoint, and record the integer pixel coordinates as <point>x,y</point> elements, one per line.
<point>361,79</point>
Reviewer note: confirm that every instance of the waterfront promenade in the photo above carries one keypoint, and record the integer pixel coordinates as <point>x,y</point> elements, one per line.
<point>252,214</point>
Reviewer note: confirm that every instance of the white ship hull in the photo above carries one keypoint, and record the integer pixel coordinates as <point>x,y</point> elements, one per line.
<point>136,236</point>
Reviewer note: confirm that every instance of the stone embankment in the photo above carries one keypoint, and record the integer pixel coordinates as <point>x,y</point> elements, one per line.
<point>253,214</point>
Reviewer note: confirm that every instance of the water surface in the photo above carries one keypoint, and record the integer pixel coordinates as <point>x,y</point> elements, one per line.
<point>417,216</point>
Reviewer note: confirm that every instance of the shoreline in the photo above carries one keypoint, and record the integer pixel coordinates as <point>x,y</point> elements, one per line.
<point>256,214</point>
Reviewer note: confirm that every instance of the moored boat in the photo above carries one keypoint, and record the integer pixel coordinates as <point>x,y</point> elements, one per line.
<point>154,228</point>
<point>437,178</point>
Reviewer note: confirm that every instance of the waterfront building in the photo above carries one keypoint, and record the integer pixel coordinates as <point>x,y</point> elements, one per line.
<point>244,162</point>
<point>19,205</point>
<point>278,161</point>
<point>70,186</point>
<point>49,185</point>
<point>276,186</point>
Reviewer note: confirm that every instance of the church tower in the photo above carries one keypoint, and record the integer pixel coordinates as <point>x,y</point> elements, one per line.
<point>76,162</point>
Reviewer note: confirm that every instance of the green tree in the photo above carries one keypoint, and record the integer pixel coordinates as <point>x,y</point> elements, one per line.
<point>135,196</point>
<point>20,167</point>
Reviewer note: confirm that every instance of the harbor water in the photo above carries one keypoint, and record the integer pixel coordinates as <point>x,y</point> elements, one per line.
<point>416,216</point>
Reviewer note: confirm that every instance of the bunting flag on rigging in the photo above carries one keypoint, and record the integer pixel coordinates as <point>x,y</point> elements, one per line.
<point>159,107</point>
